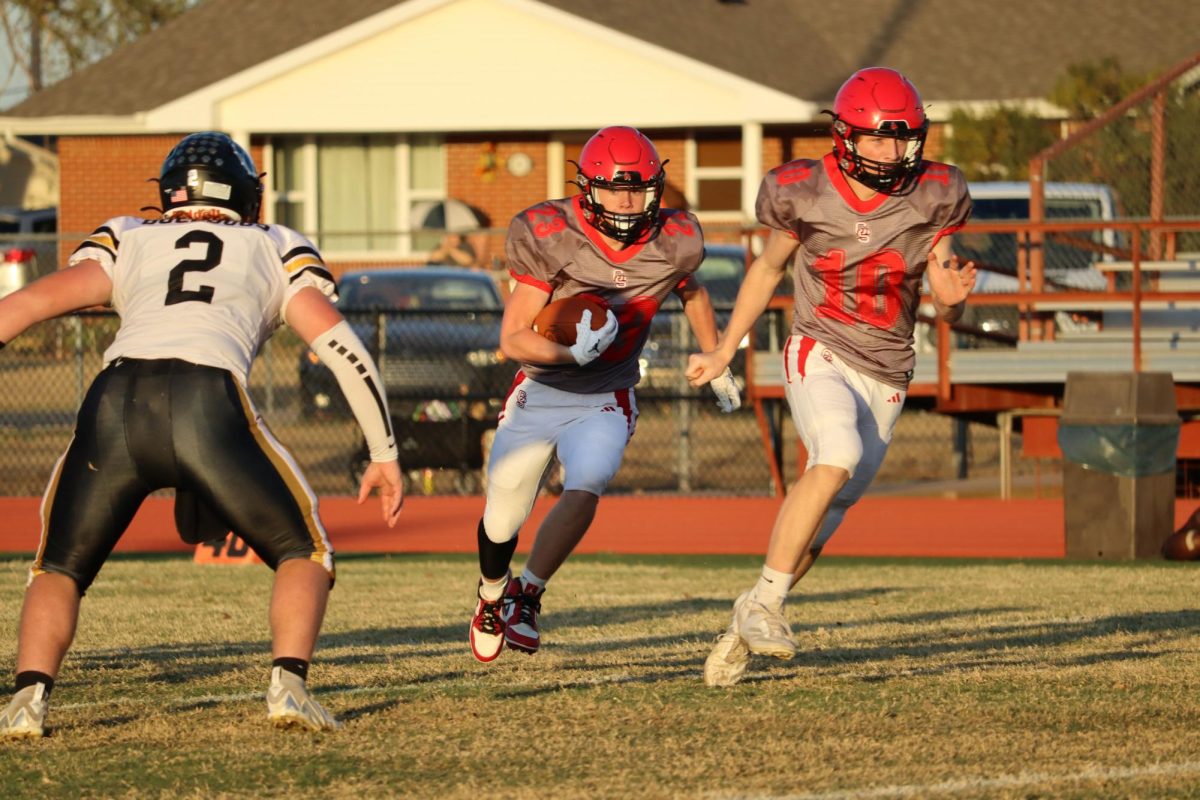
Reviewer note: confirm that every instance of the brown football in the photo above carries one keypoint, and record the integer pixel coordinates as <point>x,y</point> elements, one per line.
<point>557,320</point>
<point>1182,545</point>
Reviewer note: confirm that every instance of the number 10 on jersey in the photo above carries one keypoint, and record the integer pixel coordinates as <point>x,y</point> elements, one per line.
<point>873,285</point>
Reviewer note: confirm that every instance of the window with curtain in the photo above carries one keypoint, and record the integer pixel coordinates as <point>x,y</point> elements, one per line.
<point>356,193</point>
<point>347,191</point>
<point>427,182</point>
<point>288,185</point>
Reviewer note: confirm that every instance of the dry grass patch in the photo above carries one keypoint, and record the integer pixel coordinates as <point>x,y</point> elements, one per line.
<point>914,679</point>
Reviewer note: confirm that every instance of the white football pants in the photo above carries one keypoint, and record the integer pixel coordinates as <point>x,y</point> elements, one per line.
<point>589,432</point>
<point>844,418</point>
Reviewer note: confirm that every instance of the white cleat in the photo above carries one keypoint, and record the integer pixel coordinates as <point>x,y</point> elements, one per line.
<point>25,717</point>
<point>487,628</point>
<point>289,705</point>
<point>729,658</point>
<point>764,631</point>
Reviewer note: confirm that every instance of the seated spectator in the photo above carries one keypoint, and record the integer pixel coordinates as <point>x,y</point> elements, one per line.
<point>454,249</point>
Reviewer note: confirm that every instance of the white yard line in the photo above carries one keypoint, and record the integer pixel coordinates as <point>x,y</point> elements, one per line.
<point>1024,779</point>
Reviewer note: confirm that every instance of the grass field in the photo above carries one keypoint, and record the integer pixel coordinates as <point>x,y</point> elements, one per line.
<point>914,679</point>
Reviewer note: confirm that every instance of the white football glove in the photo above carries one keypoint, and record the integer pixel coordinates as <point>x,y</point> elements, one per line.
<point>589,344</point>
<point>729,399</point>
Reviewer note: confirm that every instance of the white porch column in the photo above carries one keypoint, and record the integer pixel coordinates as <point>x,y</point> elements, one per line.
<point>752,170</point>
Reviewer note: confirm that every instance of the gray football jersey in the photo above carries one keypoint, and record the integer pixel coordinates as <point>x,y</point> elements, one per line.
<point>206,292</point>
<point>859,266</point>
<point>553,247</point>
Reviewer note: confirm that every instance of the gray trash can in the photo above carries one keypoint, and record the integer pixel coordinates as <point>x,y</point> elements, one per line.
<point>1119,434</point>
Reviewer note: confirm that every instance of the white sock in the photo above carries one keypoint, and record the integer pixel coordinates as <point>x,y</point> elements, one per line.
<point>772,588</point>
<point>528,578</point>
<point>493,590</point>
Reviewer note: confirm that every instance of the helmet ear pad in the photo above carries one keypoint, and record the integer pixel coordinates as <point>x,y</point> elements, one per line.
<point>620,158</point>
<point>210,169</point>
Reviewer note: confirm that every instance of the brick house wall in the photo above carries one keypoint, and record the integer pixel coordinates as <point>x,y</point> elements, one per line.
<point>106,176</point>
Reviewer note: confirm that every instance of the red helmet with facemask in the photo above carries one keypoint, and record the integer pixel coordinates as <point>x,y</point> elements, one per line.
<point>621,158</point>
<point>879,102</point>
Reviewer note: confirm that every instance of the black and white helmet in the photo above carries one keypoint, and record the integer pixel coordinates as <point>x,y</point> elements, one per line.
<point>211,169</point>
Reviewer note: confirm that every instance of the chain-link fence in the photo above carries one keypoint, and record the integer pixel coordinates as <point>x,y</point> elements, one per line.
<point>444,388</point>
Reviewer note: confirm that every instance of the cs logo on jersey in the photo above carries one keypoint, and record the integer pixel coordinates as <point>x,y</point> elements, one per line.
<point>828,356</point>
<point>521,398</point>
<point>619,278</point>
<point>862,232</point>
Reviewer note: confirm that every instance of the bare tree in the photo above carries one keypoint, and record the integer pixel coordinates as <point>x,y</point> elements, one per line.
<point>50,39</point>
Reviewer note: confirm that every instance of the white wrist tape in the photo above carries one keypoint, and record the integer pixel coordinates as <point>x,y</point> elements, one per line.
<point>340,350</point>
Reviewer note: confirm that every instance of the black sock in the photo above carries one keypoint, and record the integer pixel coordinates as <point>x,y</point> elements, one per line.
<point>494,558</point>
<point>30,678</point>
<point>296,666</point>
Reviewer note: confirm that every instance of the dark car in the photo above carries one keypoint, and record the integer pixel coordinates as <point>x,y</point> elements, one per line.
<point>664,357</point>
<point>435,335</point>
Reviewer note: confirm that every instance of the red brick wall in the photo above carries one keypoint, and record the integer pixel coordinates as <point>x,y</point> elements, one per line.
<point>104,176</point>
<point>476,175</point>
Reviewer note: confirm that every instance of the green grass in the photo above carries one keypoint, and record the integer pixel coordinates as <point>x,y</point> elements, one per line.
<point>914,679</point>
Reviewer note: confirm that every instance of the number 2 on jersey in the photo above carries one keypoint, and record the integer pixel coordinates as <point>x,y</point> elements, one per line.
<point>212,257</point>
<point>876,278</point>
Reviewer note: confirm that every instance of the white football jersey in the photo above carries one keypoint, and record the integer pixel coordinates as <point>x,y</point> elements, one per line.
<point>209,292</point>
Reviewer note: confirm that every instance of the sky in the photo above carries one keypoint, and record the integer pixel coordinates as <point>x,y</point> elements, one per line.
<point>15,89</point>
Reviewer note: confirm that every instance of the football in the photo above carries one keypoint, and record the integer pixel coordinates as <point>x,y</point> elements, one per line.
<point>1182,545</point>
<point>557,320</point>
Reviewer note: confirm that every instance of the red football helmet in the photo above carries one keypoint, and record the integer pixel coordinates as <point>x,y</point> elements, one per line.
<point>619,157</point>
<point>879,102</point>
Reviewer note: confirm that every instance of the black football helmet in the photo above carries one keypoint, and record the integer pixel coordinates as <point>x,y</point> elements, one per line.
<point>211,169</point>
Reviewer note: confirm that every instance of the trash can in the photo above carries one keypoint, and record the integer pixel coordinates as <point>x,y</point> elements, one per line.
<point>1119,434</point>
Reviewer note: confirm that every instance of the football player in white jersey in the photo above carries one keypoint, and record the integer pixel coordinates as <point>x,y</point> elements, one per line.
<point>614,244</point>
<point>198,291</point>
<point>863,225</point>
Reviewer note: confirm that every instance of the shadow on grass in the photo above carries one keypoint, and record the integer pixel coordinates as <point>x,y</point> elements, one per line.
<point>956,642</point>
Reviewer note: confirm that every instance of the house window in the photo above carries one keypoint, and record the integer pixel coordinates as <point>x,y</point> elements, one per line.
<point>426,181</point>
<point>717,171</point>
<point>288,184</point>
<point>353,194</point>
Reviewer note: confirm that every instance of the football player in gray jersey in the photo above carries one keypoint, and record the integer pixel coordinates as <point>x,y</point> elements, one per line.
<point>863,226</point>
<point>614,244</point>
<point>198,290</point>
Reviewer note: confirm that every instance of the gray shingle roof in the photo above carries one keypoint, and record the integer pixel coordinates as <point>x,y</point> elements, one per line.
<point>952,49</point>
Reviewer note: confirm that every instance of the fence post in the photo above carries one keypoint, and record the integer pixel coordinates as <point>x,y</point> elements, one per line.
<point>77,323</point>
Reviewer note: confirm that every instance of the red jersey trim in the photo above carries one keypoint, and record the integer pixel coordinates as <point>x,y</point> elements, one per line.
<point>595,237</point>
<point>843,188</point>
<point>944,232</point>
<point>806,346</point>
<point>622,398</point>
<point>529,280</point>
